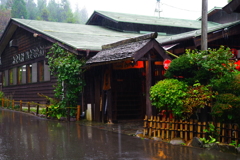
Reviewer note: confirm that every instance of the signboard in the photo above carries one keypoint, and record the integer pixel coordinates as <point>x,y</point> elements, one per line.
<point>28,55</point>
<point>128,65</point>
<point>166,63</point>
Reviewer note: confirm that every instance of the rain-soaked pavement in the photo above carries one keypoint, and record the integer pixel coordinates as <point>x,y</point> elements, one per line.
<point>26,137</point>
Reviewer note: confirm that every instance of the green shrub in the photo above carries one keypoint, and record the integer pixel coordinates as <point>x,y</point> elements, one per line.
<point>168,94</point>
<point>227,108</point>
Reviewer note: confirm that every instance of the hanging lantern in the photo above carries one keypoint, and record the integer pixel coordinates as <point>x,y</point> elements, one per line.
<point>166,63</point>
<point>237,65</point>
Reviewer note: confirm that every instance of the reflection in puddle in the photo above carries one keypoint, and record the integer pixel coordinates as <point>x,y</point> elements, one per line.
<point>28,137</point>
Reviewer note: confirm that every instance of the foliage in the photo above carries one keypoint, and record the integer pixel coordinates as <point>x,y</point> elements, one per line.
<point>5,16</point>
<point>212,135</point>
<point>212,131</point>
<point>198,96</point>
<point>68,70</point>
<point>54,109</point>
<point>31,9</point>
<point>231,86</point>
<point>58,11</point>
<point>234,143</point>
<point>215,74</point>
<point>168,94</point>
<point>208,141</point>
<point>1,95</point>
<point>183,67</point>
<point>207,67</point>
<point>19,9</point>
<point>182,100</point>
<point>227,108</point>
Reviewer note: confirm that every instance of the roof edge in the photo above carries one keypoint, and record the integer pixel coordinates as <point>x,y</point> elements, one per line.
<point>134,39</point>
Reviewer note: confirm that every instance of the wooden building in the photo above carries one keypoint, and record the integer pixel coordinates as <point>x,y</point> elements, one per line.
<point>221,16</point>
<point>119,78</point>
<point>119,75</point>
<point>132,23</point>
<point>25,43</point>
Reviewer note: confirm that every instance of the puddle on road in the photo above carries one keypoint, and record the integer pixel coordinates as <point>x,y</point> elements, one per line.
<point>24,136</point>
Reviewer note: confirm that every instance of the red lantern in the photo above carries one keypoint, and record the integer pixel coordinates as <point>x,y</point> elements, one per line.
<point>237,65</point>
<point>166,63</point>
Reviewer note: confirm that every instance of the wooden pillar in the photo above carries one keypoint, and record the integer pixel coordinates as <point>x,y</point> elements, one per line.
<point>97,97</point>
<point>28,106</point>
<point>37,112</point>
<point>148,86</point>
<point>109,109</point>
<point>78,112</point>
<point>20,105</point>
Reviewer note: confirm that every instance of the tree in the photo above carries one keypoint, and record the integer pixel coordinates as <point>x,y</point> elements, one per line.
<point>19,9</point>
<point>32,9</point>
<point>5,16</point>
<point>68,70</point>
<point>207,67</point>
<point>81,16</point>
<point>229,1</point>
<point>41,4</point>
<point>66,14</point>
<point>45,14</point>
<point>208,74</point>
<point>54,10</point>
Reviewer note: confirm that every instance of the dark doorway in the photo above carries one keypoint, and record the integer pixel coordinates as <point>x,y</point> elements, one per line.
<point>128,94</point>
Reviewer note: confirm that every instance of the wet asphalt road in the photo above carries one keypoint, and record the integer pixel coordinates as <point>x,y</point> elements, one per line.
<point>26,137</point>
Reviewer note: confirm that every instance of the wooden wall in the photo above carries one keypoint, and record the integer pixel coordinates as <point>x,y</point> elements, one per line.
<point>27,91</point>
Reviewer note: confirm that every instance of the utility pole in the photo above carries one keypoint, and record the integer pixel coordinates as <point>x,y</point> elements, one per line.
<point>157,9</point>
<point>204,39</point>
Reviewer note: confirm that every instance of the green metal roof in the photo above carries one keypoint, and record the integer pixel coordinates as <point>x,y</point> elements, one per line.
<point>153,20</point>
<point>196,33</point>
<point>77,35</point>
<point>89,37</point>
<point>214,9</point>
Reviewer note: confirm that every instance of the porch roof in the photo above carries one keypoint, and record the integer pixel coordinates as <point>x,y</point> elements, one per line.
<point>197,33</point>
<point>133,49</point>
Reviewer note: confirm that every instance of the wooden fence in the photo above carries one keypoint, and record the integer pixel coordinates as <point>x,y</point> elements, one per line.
<point>18,105</point>
<point>166,128</point>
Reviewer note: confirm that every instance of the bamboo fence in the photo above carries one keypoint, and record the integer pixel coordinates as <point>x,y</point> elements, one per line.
<point>165,128</point>
<point>18,105</point>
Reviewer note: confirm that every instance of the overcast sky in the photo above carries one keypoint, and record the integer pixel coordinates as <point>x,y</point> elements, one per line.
<point>184,9</point>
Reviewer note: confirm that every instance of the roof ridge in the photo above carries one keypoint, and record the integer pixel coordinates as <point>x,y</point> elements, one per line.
<point>102,12</point>
<point>129,40</point>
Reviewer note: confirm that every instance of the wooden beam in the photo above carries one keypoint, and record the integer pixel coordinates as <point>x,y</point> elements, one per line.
<point>148,86</point>
<point>218,35</point>
<point>150,45</point>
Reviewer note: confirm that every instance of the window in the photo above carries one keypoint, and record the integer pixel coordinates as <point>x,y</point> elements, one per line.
<point>14,76</point>
<point>10,76</point>
<point>29,73</point>
<point>46,72</point>
<point>34,73</point>
<point>19,75</point>
<point>24,74</point>
<point>5,78</point>
<point>41,71</point>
